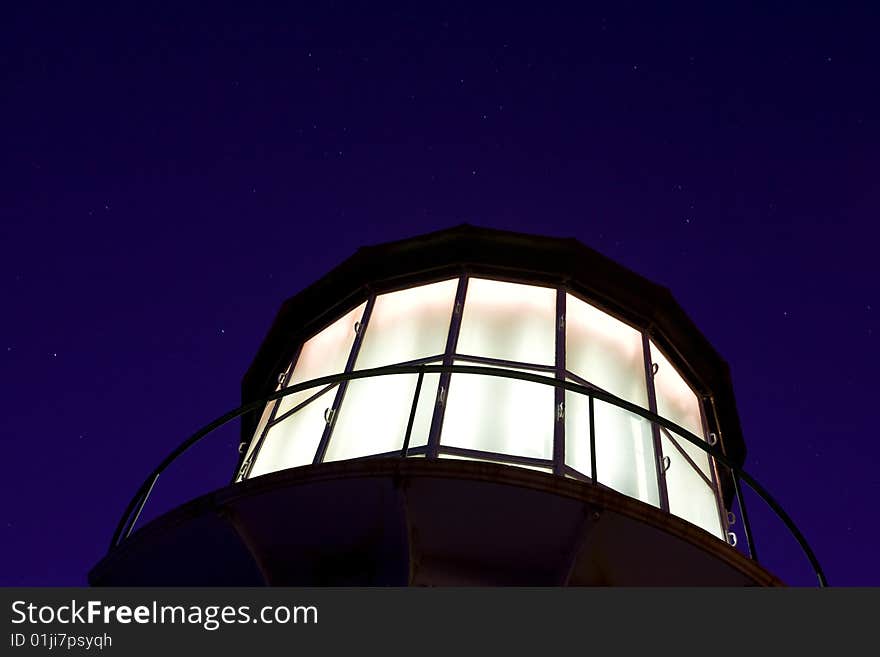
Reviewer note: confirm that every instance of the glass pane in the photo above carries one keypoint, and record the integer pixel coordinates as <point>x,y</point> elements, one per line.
<point>261,425</point>
<point>678,403</point>
<point>294,441</point>
<point>604,351</point>
<point>509,321</point>
<point>689,496</point>
<point>408,324</point>
<point>375,412</point>
<point>324,354</point>
<point>625,453</point>
<point>539,468</point>
<point>495,414</point>
<point>624,447</point>
<point>577,432</point>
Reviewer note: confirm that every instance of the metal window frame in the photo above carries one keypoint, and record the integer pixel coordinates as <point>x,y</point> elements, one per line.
<point>655,430</point>
<point>501,362</point>
<point>559,369</point>
<point>279,419</point>
<point>713,471</point>
<point>349,367</point>
<point>269,426</point>
<point>508,459</point>
<point>448,359</point>
<point>687,457</point>
<point>737,489</point>
<point>247,463</point>
<point>559,393</point>
<point>712,481</point>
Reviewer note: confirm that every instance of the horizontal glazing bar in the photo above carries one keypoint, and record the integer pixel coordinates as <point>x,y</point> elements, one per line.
<point>504,363</point>
<point>495,456</point>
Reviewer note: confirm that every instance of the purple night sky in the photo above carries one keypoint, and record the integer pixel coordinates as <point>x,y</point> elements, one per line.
<point>170,176</point>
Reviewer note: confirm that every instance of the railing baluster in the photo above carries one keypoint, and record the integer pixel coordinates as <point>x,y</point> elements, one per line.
<point>140,507</point>
<point>133,511</point>
<point>745,516</point>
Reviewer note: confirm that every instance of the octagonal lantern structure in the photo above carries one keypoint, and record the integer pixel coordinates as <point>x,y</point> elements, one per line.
<point>470,406</point>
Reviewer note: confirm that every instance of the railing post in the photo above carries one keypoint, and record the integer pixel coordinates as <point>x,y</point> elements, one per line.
<point>133,512</point>
<point>747,528</point>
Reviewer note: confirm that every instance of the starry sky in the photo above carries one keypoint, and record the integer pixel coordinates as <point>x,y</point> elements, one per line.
<point>170,175</point>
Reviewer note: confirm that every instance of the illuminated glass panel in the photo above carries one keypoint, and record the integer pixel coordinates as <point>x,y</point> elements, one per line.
<point>294,441</point>
<point>509,321</point>
<point>324,354</point>
<point>261,425</point>
<point>495,414</point>
<point>678,403</point>
<point>577,433</point>
<point>408,324</point>
<point>375,412</point>
<point>624,447</point>
<point>689,495</point>
<point>604,351</point>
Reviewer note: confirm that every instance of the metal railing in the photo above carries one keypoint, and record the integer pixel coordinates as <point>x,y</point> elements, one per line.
<point>133,511</point>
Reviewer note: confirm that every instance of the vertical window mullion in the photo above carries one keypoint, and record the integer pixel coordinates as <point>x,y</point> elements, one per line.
<point>559,396</point>
<point>349,366</point>
<point>448,360</point>
<point>655,430</point>
<point>713,472</point>
<point>261,438</point>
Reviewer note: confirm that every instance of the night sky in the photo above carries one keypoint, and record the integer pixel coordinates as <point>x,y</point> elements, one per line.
<point>170,176</point>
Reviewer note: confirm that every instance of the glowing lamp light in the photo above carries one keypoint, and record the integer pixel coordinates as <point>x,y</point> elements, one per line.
<point>503,324</point>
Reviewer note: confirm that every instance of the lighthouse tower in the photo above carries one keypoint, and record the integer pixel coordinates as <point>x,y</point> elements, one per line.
<point>468,407</point>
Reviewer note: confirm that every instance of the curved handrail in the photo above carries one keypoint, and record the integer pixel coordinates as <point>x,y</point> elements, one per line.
<point>136,505</point>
